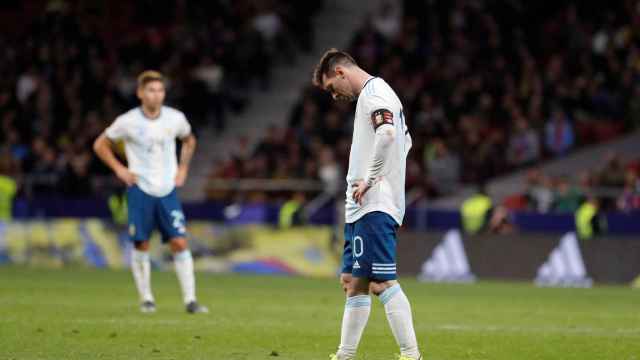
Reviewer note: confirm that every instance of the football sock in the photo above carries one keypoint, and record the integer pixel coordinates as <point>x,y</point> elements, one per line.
<point>356,315</point>
<point>398,310</point>
<point>183,262</point>
<point>141,269</point>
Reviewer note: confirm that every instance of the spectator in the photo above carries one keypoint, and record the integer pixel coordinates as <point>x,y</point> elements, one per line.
<point>443,167</point>
<point>387,19</point>
<point>329,172</point>
<point>524,144</point>
<point>559,135</point>
<point>567,198</point>
<point>539,193</point>
<point>629,200</point>
<point>613,172</point>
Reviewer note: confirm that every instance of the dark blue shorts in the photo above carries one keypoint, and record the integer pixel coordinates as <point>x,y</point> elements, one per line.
<point>370,247</point>
<point>147,212</point>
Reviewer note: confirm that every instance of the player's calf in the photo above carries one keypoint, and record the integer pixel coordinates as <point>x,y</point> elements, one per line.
<point>183,262</point>
<point>398,311</point>
<point>141,269</point>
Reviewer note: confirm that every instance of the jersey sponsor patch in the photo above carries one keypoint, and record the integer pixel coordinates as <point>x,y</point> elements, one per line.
<point>380,117</point>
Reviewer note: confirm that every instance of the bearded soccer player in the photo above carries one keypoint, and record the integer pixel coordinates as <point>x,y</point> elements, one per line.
<point>375,203</point>
<point>149,133</point>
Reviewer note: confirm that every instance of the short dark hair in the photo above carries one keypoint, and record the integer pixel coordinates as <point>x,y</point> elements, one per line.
<point>328,62</point>
<point>149,76</point>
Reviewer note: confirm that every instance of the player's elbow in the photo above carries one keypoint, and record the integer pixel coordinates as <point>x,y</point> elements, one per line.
<point>98,144</point>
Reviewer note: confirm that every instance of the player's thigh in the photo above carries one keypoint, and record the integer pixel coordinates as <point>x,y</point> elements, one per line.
<point>170,218</point>
<point>347,254</point>
<point>374,247</point>
<point>141,218</point>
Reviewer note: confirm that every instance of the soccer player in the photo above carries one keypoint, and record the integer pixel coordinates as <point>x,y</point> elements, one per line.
<point>149,133</point>
<point>375,202</point>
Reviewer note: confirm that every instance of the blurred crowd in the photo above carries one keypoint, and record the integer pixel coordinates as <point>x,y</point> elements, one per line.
<point>487,86</point>
<point>615,185</point>
<point>68,68</point>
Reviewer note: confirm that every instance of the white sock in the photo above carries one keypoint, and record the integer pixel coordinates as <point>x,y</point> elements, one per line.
<point>141,268</point>
<point>184,269</point>
<point>356,315</point>
<point>398,310</point>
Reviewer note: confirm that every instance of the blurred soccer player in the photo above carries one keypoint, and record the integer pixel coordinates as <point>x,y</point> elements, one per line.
<point>375,202</point>
<point>149,133</point>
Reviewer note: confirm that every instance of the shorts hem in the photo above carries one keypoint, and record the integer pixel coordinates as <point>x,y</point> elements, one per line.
<point>376,276</point>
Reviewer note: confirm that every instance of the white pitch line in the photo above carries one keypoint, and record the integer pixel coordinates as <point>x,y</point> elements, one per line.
<point>631,332</point>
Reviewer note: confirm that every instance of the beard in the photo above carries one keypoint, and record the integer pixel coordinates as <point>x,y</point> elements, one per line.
<point>346,98</point>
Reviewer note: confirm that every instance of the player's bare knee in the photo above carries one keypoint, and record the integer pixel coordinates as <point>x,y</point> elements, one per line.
<point>178,244</point>
<point>357,286</point>
<point>344,284</point>
<point>345,281</point>
<point>141,245</point>
<point>378,288</point>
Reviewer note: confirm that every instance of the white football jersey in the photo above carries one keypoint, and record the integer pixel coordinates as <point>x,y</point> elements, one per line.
<point>388,193</point>
<point>150,146</point>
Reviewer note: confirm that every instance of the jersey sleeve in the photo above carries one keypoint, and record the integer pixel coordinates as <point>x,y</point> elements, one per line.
<point>117,130</point>
<point>380,111</point>
<point>183,127</point>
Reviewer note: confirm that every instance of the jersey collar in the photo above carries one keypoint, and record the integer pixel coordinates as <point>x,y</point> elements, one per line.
<point>149,118</point>
<point>366,82</point>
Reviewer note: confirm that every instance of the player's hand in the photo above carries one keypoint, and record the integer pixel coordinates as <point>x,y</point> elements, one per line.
<point>126,176</point>
<point>361,188</point>
<point>181,176</point>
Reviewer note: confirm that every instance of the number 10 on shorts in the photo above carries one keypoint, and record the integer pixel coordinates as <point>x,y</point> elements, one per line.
<point>358,247</point>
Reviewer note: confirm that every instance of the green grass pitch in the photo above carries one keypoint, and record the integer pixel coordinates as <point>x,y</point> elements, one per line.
<point>93,314</point>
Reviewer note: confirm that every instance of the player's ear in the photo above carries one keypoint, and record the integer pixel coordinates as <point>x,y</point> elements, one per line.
<point>139,92</point>
<point>339,71</point>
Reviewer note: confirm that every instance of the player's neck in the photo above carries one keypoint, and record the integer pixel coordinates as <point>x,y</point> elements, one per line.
<point>360,78</point>
<point>150,113</point>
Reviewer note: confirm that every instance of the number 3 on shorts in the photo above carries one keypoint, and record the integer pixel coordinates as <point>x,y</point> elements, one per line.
<point>358,247</point>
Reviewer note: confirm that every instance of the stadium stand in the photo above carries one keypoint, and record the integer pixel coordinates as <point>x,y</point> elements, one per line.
<point>69,67</point>
<point>488,88</point>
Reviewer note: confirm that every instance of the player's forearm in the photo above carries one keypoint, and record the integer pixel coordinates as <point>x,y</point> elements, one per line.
<point>188,148</point>
<point>385,135</point>
<point>102,148</point>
